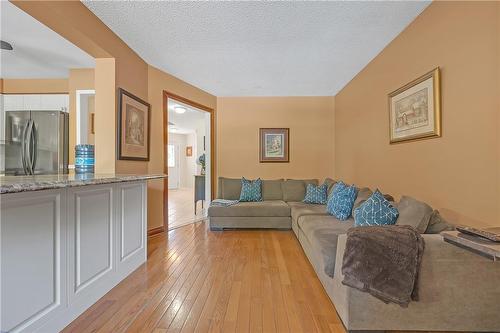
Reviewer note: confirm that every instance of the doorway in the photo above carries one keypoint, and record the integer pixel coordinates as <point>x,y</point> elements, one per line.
<point>189,162</point>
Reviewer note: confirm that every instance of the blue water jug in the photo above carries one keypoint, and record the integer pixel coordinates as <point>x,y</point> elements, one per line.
<point>84,159</point>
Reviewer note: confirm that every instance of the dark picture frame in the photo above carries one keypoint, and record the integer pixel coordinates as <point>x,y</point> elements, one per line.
<point>134,127</point>
<point>274,145</point>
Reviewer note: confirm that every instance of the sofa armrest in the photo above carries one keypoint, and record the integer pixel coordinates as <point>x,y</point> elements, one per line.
<point>458,290</point>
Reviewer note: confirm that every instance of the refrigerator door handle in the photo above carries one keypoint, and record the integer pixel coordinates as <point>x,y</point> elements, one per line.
<point>29,148</point>
<point>34,144</point>
<point>23,147</point>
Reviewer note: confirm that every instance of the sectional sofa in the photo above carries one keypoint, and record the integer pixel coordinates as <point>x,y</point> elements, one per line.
<point>459,290</point>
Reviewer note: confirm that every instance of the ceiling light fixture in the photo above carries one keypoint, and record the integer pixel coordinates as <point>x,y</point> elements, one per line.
<point>179,109</point>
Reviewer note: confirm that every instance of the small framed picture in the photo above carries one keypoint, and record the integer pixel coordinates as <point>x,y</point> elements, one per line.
<point>133,127</point>
<point>274,145</point>
<point>415,109</point>
<point>189,151</point>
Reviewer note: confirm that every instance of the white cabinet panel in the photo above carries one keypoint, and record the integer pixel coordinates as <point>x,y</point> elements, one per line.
<point>13,102</point>
<point>62,250</point>
<point>32,260</point>
<point>90,234</point>
<point>32,102</point>
<point>131,225</point>
<point>57,102</point>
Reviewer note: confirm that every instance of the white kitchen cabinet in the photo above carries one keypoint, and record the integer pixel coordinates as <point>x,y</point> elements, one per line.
<point>63,249</point>
<point>55,102</point>
<point>13,102</point>
<point>32,102</point>
<point>36,102</point>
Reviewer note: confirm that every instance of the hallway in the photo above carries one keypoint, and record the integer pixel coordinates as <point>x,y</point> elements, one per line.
<point>181,208</point>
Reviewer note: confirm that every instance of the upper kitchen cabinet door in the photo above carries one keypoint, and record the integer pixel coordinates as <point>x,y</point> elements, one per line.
<point>54,102</point>
<point>13,102</point>
<point>32,102</point>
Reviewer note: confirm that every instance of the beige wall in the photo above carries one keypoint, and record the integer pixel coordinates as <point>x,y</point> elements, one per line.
<point>310,120</point>
<point>35,86</point>
<point>79,79</point>
<point>159,81</point>
<point>458,173</point>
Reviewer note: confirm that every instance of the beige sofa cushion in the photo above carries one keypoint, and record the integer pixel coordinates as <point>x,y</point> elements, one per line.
<point>322,233</point>
<point>330,182</point>
<point>363,194</point>
<point>271,189</point>
<point>295,190</point>
<point>248,209</point>
<point>229,188</point>
<point>413,213</point>
<point>299,209</point>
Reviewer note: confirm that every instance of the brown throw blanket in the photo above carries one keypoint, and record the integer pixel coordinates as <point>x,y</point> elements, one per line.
<point>384,261</point>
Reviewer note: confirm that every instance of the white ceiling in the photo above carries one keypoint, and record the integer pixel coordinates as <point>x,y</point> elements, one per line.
<point>39,52</point>
<point>188,122</point>
<point>259,48</point>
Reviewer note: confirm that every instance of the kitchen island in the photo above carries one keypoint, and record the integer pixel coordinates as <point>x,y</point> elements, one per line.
<point>65,241</point>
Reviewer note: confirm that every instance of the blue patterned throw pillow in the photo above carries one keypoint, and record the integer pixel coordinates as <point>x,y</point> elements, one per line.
<point>251,190</point>
<point>316,194</point>
<point>341,200</point>
<point>375,211</point>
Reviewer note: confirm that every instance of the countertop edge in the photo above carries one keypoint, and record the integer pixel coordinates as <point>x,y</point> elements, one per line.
<point>32,186</point>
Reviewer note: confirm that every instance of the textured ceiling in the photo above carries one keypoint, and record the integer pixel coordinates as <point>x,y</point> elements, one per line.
<point>259,48</point>
<point>38,52</point>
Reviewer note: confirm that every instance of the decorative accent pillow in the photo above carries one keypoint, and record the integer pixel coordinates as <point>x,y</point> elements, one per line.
<point>341,200</point>
<point>375,211</point>
<point>413,213</point>
<point>316,194</point>
<point>251,190</point>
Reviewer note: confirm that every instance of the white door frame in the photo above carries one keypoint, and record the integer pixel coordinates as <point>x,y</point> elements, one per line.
<point>79,94</point>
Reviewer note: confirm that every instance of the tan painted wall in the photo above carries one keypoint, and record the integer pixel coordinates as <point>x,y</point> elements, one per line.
<point>159,81</point>
<point>458,173</point>
<point>310,120</point>
<point>79,79</point>
<point>35,86</point>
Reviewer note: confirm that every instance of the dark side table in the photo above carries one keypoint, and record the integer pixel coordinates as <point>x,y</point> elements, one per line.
<point>199,190</point>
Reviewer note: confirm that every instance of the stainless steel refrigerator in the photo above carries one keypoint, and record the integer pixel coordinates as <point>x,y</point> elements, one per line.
<point>36,142</point>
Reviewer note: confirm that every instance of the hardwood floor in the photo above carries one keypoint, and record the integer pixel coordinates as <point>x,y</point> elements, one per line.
<point>202,281</point>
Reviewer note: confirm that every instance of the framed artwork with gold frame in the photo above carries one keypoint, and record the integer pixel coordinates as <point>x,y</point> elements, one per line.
<point>415,109</point>
<point>133,127</point>
<point>274,145</point>
<point>189,151</point>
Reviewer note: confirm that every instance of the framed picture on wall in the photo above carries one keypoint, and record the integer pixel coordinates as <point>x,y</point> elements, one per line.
<point>133,127</point>
<point>189,151</point>
<point>415,109</point>
<point>274,145</point>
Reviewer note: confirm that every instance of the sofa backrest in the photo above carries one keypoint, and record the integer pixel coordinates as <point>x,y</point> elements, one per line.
<point>295,189</point>
<point>230,189</point>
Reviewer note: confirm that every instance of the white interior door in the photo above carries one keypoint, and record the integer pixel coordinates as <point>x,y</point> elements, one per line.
<point>173,165</point>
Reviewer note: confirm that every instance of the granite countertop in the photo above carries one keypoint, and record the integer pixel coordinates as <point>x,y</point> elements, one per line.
<point>15,184</point>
